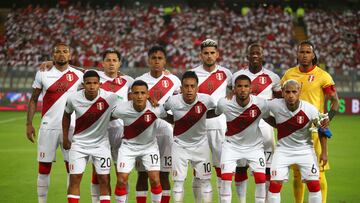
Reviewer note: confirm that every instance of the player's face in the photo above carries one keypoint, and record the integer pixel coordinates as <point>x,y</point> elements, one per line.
<point>242,89</point>
<point>140,94</point>
<point>255,56</point>
<point>157,61</point>
<point>291,95</point>
<point>91,86</point>
<point>305,55</point>
<point>189,89</point>
<point>61,55</point>
<point>209,55</point>
<point>111,63</point>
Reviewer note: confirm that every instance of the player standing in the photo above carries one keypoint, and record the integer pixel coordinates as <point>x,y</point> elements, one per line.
<point>161,87</point>
<point>265,84</point>
<point>316,86</point>
<point>244,140</point>
<point>190,144</point>
<point>214,81</point>
<point>294,118</point>
<point>92,108</point>
<point>55,85</point>
<point>139,141</point>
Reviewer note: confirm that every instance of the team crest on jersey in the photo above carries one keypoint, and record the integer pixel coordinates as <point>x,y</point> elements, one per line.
<point>147,118</point>
<point>165,83</point>
<point>69,77</point>
<point>300,119</point>
<point>262,80</point>
<point>118,81</point>
<point>219,76</point>
<point>311,78</point>
<point>198,109</point>
<point>100,106</point>
<point>253,113</point>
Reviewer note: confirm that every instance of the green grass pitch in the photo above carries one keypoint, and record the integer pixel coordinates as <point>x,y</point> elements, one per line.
<point>18,169</point>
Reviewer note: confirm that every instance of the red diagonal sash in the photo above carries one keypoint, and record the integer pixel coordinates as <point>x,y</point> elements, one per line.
<point>260,83</point>
<point>57,89</point>
<point>139,125</point>
<point>115,85</point>
<point>243,121</point>
<point>293,124</point>
<point>95,111</point>
<point>213,82</point>
<point>161,88</point>
<point>190,118</point>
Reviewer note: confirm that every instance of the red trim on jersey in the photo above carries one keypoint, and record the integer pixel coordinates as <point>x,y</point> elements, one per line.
<point>139,125</point>
<point>213,82</point>
<point>329,89</point>
<point>293,124</point>
<point>307,71</point>
<point>57,89</point>
<point>114,85</point>
<point>95,111</point>
<point>243,121</point>
<point>190,118</point>
<point>260,83</point>
<point>161,88</point>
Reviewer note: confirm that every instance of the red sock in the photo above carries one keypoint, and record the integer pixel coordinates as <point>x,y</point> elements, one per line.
<point>73,200</point>
<point>140,199</point>
<point>165,199</point>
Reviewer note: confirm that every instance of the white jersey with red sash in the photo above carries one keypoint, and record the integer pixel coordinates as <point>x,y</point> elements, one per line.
<point>92,117</point>
<point>56,86</point>
<point>163,87</point>
<point>243,122</point>
<point>263,83</point>
<point>138,126</point>
<point>215,84</point>
<point>293,127</point>
<point>190,119</point>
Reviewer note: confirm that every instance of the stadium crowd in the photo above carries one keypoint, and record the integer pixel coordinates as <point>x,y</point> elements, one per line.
<point>30,33</point>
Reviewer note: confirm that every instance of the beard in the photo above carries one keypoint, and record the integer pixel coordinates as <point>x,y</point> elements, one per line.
<point>61,63</point>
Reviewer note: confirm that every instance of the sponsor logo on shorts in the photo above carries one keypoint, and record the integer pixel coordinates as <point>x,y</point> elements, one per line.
<point>100,106</point>
<point>273,173</point>
<point>300,119</point>
<point>122,165</point>
<point>219,76</point>
<point>71,167</point>
<point>69,77</point>
<point>42,155</point>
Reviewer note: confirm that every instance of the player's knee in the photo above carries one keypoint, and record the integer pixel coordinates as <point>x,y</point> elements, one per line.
<point>75,180</point>
<point>104,179</point>
<point>313,186</point>
<point>120,190</point>
<point>275,187</point>
<point>154,180</point>
<point>121,181</point>
<point>44,168</point>
<point>227,176</point>
<point>259,177</point>
<point>218,172</point>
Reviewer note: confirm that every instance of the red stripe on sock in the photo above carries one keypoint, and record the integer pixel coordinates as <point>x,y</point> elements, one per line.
<point>226,176</point>
<point>73,200</point>
<point>44,168</point>
<point>218,172</point>
<point>259,177</point>
<point>156,190</point>
<point>104,201</point>
<point>120,191</point>
<point>165,199</point>
<point>140,199</point>
<point>275,187</point>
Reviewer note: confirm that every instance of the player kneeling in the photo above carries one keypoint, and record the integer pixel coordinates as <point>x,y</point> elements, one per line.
<point>294,119</point>
<point>92,108</point>
<point>139,141</point>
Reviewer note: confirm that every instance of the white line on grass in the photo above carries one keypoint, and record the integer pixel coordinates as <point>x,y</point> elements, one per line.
<point>11,119</point>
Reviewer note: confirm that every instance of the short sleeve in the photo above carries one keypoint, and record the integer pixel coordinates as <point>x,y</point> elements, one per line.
<point>118,109</point>
<point>168,104</point>
<point>220,106</point>
<point>266,109</point>
<point>69,107</point>
<point>210,102</point>
<point>277,84</point>
<point>161,112</point>
<point>38,81</point>
<point>177,85</point>
<point>229,78</point>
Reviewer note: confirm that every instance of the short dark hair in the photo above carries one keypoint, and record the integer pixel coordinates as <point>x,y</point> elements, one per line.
<point>307,42</point>
<point>139,83</point>
<point>111,51</point>
<point>242,77</point>
<point>156,48</point>
<point>190,74</point>
<point>90,73</point>
<point>255,44</point>
<point>61,44</point>
<point>208,43</point>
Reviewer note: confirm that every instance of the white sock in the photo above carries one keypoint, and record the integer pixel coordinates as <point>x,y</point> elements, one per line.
<point>73,197</point>
<point>43,187</point>
<point>141,194</point>
<point>95,193</point>
<point>241,188</point>
<point>196,187</point>
<point>260,193</point>
<point>104,197</point>
<point>156,198</point>
<point>178,191</point>
<point>219,182</point>
<point>206,191</point>
<point>315,197</point>
<point>225,192</point>
<point>274,197</point>
<point>121,199</point>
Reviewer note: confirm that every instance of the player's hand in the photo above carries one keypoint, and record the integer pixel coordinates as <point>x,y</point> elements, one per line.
<point>323,159</point>
<point>30,132</point>
<point>67,144</point>
<point>45,66</point>
<point>324,123</point>
<point>153,102</point>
